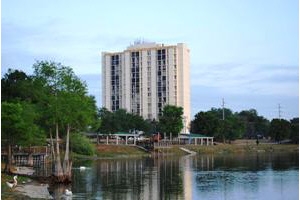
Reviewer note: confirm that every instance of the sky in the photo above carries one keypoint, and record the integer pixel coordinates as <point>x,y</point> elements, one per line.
<point>245,52</point>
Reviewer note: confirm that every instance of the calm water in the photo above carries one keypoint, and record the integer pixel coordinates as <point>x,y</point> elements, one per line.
<point>259,176</point>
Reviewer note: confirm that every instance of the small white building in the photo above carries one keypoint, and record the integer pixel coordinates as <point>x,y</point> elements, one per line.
<point>196,139</point>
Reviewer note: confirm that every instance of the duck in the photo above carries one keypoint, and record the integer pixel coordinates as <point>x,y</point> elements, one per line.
<point>68,192</point>
<point>13,183</point>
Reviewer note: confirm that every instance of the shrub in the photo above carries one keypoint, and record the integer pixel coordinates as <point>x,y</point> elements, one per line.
<point>81,145</point>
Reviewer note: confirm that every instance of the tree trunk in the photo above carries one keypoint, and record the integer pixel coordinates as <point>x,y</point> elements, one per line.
<point>8,162</point>
<point>52,146</point>
<point>66,164</point>
<point>58,172</point>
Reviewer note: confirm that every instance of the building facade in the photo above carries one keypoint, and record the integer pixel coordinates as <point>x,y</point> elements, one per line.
<point>145,77</point>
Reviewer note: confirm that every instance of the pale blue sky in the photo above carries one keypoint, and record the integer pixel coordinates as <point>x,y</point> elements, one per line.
<point>245,51</point>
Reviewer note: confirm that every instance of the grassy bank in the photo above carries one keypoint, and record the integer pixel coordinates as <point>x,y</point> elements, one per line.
<point>244,148</point>
<point>119,151</point>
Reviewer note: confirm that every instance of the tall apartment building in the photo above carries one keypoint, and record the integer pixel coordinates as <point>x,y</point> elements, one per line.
<point>145,77</point>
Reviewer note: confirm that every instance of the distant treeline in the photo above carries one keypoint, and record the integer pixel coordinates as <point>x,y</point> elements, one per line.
<point>245,124</point>
<point>32,105</point>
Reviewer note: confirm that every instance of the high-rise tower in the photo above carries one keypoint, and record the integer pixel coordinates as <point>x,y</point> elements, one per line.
<point>145,77</point>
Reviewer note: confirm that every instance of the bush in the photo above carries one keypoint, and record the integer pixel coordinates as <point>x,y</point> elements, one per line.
<point>81,145</point>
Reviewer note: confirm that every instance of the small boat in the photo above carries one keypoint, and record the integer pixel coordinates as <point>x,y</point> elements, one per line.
<point>82,168</point>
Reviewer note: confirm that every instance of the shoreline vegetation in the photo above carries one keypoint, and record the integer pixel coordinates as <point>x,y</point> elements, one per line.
<point>125,152</point>
<point>114,151</point>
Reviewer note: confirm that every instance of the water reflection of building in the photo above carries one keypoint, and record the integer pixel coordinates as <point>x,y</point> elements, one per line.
<point>203,163</point>
<point>187,184</point>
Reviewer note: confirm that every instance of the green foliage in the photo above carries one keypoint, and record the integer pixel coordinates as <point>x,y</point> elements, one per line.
<point>17,86</point>
<point>205,123</point>
<point>68,102</point>
<point>254,124</point>
<point>211,123</point>
<point>280,129</point>
<point>18,124</point>
<point>107,122</point>
<point>120,120</point>
<point>33,105</point>
<point>11,120</point>
<point>171,120</point>
<point>81,145</point>
<point>152,127</point>
<point>295,130</point>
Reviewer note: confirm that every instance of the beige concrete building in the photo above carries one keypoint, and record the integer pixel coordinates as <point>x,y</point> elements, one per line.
<point>145,77</point>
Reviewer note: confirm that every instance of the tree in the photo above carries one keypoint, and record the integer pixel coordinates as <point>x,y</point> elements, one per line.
<point>11,127</point>
<point>294,130</point>
<point>120,120</point>
<point>171,120</point>
<point>107,124</point>
<point>16,86</point>
<point>211,123</point>
<point>18,127</point>
<point>67,108</point>
<point>234,128</point>
<point>280,129</point>
<point>152,127</point>
<point>205,123</point>
<point>254,124</point>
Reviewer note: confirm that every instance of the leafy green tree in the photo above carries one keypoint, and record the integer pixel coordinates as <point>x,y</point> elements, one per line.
<point>205,123</point>
<point>294,130</point>
<point>234,128</point>
<point>152,127</point>
<point>171,120</point>
<point>120,120</point>
<point>107,123</point>
<point>254,124</point>
<point>16,86</point>
<point>280,129</point>
<point>211,123</point>
<point>11,128</point>
<point>81,145</point>
<point>18,127</point>
<point>68,108</point>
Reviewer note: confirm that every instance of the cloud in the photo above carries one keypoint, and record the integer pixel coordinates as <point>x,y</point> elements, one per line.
<point>248,78</point>
<point>79,48</point>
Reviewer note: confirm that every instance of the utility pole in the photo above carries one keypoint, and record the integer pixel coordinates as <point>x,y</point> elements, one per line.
<point>223,103</point>
<point>279,111</point>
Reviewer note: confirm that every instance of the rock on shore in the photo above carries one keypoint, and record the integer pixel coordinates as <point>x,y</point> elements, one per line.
<point>34,190</point>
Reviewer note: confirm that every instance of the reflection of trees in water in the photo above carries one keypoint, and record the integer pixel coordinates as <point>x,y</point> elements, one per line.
<point>248,162</point>
<point>176,178</point>
<point>170,178</point>
<point>131,179</point>
<point>285,162</point>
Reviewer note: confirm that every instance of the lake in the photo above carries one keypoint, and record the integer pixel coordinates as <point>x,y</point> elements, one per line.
<point>254,176</point>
